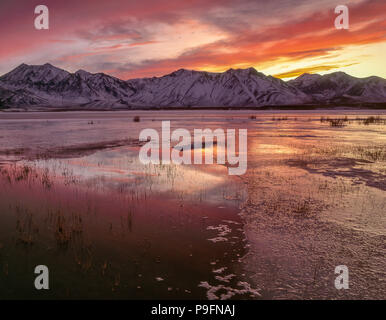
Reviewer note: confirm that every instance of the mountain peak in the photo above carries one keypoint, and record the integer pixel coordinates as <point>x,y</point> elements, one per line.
<point>41,67</point>
<point>181,72</point>
<point>339,74</point>
<point>305,79</point>
<point>82,73</point>
<point>20,67</point>
<point>25,72</point>
<point>46,66</point>
<point>246,71</point>
<point>309,75</point>
<point>251,69</point>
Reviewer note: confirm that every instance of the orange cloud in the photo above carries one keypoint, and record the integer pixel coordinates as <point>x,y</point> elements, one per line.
<point>314,69</point>
<point>314,36</point>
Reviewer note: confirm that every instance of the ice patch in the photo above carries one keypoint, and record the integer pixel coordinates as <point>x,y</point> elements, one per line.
<point>245,288</point>
<point>218,239</point>
<point>231,222</point>
<point>227,278</point>
<point>221,270</point>
<point>223,229</point>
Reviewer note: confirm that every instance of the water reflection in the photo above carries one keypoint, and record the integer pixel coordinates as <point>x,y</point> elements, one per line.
<point>135,223</point>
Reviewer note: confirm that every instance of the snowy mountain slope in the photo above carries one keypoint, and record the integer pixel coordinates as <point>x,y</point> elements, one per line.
<point>339,86</point>
<point>48,86</point>
<point>233,88</point>
<point>56,87</point>
<point>18,97</point>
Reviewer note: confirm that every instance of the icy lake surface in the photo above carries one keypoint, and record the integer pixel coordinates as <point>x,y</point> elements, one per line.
<point>74,196</point>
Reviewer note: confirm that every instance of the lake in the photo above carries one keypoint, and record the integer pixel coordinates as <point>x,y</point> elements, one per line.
<point>75,197</point>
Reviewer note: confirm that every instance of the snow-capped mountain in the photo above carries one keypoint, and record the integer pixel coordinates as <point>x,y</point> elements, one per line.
<point>340,87</point>
<point>48,86</point>
<point>233,88</point>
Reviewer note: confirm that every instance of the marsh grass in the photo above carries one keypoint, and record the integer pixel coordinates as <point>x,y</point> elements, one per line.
<point>303,208</point>
<point>280,118</point>
<point>342,122</point>
<point>373,120</point>
<point>374,153</point>
<point>337,123</point>
<point>46,180</point>
<point>25,227</point>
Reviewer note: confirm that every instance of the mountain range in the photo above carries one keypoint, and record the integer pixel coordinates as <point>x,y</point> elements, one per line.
<point>36,86</point>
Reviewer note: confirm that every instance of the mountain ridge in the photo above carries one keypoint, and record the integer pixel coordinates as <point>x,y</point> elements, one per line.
<point>32,86</point>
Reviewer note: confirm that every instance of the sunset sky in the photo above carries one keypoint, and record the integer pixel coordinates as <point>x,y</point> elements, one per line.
<point>143,38</point>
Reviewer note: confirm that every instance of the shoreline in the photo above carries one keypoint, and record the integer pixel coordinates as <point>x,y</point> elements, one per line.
<point>362,106</point>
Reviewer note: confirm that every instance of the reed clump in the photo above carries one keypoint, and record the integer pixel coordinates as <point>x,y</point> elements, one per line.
<point>341,122</point>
